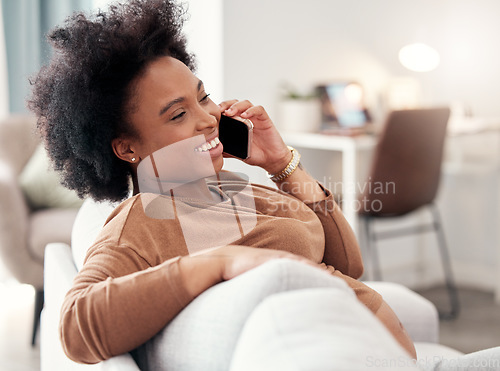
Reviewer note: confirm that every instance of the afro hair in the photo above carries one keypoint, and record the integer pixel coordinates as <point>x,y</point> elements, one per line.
<point>82,97</point>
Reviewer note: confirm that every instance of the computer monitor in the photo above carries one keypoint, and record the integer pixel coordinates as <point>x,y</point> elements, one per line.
<point>342,107</point>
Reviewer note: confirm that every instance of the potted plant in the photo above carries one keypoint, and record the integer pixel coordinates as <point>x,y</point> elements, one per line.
<point>299,112</point>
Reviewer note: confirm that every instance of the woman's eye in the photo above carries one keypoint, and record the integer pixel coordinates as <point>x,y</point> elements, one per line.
<point>205,98</point>
<point>180,115</point>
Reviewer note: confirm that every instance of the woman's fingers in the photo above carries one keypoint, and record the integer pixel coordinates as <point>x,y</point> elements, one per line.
<point>237,108</point>
<point>244,109</point>
<point>226,104</point>
<point>239,259</point>
<point>255,112</point>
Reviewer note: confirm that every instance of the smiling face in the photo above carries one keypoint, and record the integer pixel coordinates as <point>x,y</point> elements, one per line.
<point>169,105</point>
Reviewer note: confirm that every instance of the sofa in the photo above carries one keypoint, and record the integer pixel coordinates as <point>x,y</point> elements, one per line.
<point>418,315</point>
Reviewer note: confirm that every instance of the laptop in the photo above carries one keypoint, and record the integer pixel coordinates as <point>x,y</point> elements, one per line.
<point>343,111</point>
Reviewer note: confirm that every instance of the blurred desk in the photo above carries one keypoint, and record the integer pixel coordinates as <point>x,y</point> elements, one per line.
<point>349,147</point>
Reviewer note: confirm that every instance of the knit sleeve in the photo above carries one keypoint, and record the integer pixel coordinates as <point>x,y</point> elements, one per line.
<point>366,295</point>
<point>118,302</point>
<point>341,247</point>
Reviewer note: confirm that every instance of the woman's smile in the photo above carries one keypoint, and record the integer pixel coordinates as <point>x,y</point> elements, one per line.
<point>214,146</point>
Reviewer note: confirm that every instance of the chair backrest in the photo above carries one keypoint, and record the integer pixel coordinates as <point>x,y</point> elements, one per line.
<point>18,140</point>
<point>406,167</point>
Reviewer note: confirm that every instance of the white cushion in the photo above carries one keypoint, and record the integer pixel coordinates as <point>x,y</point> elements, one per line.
<point>316,329</point>
<point>88,223</point>
<point>429,354</point>
<point>418,315</point>
<point>41,185</point>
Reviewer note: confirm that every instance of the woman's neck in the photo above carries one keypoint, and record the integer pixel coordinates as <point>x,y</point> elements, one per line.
<point>195,189</point>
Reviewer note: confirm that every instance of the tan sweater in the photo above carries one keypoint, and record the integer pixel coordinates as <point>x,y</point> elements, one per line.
<point>131,283</point>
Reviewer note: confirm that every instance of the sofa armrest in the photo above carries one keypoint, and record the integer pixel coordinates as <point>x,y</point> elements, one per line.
<point>59,273</point>
<point>417,314</point>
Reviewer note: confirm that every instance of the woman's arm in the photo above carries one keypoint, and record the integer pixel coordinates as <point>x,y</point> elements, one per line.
<point>271,153</point>
<point>302,185</point>
<point>341,246</point>
<point>118,302</point>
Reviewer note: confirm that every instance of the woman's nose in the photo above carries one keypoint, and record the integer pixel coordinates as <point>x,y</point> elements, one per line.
<point>207,120</point>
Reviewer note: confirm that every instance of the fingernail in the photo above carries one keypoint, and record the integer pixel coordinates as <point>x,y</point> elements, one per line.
<point>244,114</point>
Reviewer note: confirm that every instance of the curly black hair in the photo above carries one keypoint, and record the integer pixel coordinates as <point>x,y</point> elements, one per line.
<point>83,97</point>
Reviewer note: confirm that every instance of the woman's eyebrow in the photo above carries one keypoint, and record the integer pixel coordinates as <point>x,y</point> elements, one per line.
<point>169,105</point>
<point>177,100</point>
<point>200,85</point>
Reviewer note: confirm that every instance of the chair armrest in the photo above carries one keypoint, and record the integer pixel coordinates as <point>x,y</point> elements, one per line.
<point>417,314</point>
<point>60,271</point>
<point>14,214</point>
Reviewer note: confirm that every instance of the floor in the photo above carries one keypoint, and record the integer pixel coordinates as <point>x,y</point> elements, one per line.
<point>477,327</point>
<point>16,321</point>
<point>478,324</point>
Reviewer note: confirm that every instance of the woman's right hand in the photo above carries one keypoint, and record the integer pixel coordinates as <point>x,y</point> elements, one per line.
<point>208,267</point>
<point>235,260</point>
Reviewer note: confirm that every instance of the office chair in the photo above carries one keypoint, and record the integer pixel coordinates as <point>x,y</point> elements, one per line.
<point>408,154</point>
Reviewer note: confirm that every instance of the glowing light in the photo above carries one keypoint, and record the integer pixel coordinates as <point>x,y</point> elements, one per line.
<point>419,57</point>
<point>354,93</point>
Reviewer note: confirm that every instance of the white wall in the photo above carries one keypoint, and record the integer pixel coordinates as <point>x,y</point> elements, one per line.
<point>305,42</point>
<point>204,31</point>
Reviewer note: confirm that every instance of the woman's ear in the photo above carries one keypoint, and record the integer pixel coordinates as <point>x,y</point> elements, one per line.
<point>123,149</point>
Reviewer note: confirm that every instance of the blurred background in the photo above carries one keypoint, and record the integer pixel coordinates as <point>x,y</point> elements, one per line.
<point>400,54</point>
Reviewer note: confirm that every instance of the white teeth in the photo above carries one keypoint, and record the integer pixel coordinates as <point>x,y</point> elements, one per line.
<point>208,145</point>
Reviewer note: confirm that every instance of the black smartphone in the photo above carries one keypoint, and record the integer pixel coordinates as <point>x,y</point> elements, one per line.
<point>236,136</point>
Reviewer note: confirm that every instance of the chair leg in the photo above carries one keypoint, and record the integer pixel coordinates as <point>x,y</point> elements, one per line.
<point>445,259</point>
<point>39,299</point>
<point>371,248</point>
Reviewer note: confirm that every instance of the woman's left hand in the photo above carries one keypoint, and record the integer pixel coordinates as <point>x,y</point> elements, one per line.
<point>268,149</point>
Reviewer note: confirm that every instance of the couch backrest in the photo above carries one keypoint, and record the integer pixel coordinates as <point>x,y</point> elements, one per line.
<point>88,223</point>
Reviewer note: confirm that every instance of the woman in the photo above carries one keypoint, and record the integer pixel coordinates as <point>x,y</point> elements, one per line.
<point>117,92</point>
